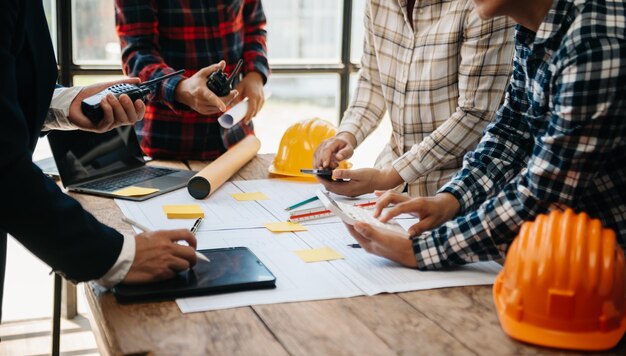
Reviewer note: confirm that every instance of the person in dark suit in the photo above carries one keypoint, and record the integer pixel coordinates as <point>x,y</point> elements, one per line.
<point>34,210</point>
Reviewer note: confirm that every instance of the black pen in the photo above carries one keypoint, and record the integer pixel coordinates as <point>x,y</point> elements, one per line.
<point>193,230</point>
<point>354,245</point>
<point>195,226</point>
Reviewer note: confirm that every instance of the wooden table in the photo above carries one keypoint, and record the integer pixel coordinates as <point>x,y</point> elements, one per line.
<point>459,321</point>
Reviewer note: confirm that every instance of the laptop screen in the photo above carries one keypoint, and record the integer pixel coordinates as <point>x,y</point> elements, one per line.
<point>82,156</point>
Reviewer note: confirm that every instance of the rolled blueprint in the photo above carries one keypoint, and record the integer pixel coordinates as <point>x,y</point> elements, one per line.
<point>231,117</point>
<point>219,171</point>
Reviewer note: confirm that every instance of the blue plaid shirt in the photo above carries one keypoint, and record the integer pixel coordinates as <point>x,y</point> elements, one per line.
<point>558,140</point>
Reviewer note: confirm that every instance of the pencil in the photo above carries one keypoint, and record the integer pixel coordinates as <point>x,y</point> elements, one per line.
<point>301,203</point>
<point>147,229</point>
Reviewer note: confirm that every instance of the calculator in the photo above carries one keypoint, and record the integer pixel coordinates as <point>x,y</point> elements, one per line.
<point>350,214</point>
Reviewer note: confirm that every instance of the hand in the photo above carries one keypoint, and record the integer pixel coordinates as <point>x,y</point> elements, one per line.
<point>384,243</point>
<point>117,112</point>
<point>159,257</point>
<point>362,181</point>
<point>251,87</point>
<point>432,211</point>
<point>334,150</point>
<point>194,93</point>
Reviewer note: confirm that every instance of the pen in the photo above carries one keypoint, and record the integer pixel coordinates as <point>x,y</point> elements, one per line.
<point>193,230</point>
<point>301,203</point>
<point>147,229</point>
<point>196,225</point>
<point>354,245</point>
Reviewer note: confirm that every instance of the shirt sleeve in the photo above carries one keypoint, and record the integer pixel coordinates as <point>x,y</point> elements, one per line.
<point>255,39</point>
<point>499,156</point>
<point>59,112</point>
<point>137,27</point>
<point>368,104</point>
<point>585,124</point>
<point>122,265</point>
<point>485,66</point>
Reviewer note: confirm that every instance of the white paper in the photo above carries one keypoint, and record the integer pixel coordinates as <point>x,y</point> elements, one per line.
<point>221,211</point>
<point>232,117</point>
<point>296,280</point>
<point>359,273</point>
<point>407,222</point>
<point>373,274</point>
<point>283,193</point>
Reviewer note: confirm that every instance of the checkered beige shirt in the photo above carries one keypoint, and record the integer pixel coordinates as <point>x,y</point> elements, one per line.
<point>441,84</point>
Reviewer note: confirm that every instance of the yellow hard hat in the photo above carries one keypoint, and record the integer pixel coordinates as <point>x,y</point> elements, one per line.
<point>298,145</point>
<point>563,284</point>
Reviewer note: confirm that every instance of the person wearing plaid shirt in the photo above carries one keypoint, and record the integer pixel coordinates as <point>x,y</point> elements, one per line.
<point>159,37</point>
<point>440,72</point>
<point>558,141</point>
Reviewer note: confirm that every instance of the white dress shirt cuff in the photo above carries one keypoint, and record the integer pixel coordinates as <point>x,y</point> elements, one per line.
<point>120,269</point>
<point>59,111</point>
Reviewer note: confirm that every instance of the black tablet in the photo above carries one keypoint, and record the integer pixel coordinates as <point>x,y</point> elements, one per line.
<point>231,269</point>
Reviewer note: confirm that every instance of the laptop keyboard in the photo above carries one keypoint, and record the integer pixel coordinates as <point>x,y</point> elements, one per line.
<point>126,180</point>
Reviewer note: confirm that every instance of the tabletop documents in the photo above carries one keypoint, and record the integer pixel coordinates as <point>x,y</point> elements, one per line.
<point>312,260</point>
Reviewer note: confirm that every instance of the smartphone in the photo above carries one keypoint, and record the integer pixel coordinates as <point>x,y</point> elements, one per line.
<point>326,173</point>
<point>323,173</point>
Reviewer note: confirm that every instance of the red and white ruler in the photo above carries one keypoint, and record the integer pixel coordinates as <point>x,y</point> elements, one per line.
<point>321,212</point>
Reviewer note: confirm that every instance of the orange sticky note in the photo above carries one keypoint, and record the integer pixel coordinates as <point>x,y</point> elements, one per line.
<point>190,211</point>
<point>134,191</point>
<point>284,226</point>
<point>319,254</point>
<point>249,196</point>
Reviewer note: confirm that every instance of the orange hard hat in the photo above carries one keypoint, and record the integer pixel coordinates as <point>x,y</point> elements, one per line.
<point>563,284</point>
<point>298,145</point>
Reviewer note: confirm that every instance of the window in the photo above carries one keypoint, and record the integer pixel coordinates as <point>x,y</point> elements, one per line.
<point>94,42</point>
<point>358,30</point>
<point>313,35</point>
<point>49,6</point>
<point>311,64</point>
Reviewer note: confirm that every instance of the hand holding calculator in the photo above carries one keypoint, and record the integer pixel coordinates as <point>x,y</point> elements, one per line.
<point>350,214</point>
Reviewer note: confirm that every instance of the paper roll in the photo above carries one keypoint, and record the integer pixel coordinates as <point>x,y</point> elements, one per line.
<point>231,117</point>
<point>219,171</point>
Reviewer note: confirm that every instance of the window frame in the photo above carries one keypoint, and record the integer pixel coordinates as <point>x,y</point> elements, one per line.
<point>68,68</point>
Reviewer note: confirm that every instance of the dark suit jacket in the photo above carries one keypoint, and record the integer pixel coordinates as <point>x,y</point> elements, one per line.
<point>32,207</point>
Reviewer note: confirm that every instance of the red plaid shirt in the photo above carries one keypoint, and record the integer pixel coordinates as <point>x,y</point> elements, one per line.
<point>159,37</point>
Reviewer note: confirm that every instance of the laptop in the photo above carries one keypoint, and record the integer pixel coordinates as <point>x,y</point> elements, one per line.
<point>101,164</point>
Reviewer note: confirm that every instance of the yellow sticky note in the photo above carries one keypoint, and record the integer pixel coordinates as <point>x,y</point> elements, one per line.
<point>134,191</point>
<point>318,255</point>
<point>249,196</point>
<point>284,227</point>
<point>191,211</point>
